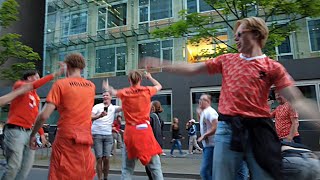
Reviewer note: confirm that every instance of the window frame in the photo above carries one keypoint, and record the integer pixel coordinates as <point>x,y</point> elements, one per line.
<point>116,63</point>
<point>167,92</point>
<point>307,24</point>
<point>106,15</point>
<point>62,36</point>
<point>85,55</point>
<point>198,8</point>
<point>149,10</point>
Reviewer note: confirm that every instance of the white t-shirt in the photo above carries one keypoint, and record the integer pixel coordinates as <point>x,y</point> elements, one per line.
<point>207,116</point>
<point>103,126</point>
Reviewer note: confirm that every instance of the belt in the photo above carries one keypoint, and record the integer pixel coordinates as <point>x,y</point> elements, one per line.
<point>13,126</point>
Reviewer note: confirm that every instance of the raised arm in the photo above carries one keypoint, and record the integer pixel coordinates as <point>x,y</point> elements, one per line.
<point>5,99</point>
<point>156,84</point>
<point>183,68</point>
<point>107,87</point>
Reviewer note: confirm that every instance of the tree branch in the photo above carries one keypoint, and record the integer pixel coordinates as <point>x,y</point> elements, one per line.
<point>302,17</point>
<point>234,4</point>
<point>220,15</point>
<point>231,9</point>
<point>270,14</point>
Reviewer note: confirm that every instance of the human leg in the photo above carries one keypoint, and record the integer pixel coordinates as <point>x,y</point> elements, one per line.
<point>206,164</point>
<point>225,161</point>
<point>107,148</point>
<point>14,147</point>
<point>155,168</point>
<point>98,150</point>
<point>127,165</point>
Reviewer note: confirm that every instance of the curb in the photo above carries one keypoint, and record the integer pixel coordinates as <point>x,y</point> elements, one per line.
<point>141,173</point>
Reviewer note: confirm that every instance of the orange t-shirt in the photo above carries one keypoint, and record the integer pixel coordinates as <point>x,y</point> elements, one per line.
<point>74,98</point>
<point>246,83</point>
<point>283,115</point>
<point>136,103</point>
<point>24,109</point>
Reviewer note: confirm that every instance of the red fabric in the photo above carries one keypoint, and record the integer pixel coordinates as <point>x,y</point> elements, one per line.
<point>117,126</point>
<point>24,109</point>
<point>141,144</point>
<point>42,81</point>
<point>72,157</point>
<point>136,102</point>
<point>283,115</point>
<point>246,84</point>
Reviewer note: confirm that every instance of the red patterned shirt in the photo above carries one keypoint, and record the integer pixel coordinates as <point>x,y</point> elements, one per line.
<point>246,83</point>
<point>283,115</point>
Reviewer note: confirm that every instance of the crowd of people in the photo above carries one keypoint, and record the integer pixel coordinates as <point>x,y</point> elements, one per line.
<point>239,142</point>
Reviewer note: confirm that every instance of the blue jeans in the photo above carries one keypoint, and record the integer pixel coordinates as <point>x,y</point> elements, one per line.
<point>226,163</point>
<point>128,166</point>
<point>19,156</point>
<point>176,143</point>
<point>206,164</point>
<point>102,145</point>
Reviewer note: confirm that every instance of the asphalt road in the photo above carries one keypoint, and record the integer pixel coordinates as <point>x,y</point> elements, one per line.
<point>42,174</point>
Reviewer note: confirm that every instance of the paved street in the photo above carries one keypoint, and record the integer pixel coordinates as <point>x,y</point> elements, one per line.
<point>41,174</point>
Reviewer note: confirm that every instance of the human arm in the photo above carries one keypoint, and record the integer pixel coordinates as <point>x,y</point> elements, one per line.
<point>98,116</point>
<point>13,94</point>
<point>107,87</point>
<point>42,117</point>
<point>156,84</point>
<point>38,83</point>
<point>211,132</point>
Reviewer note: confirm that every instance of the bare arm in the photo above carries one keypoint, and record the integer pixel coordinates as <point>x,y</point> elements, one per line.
<point>105,86</point>
<point>95,117</point>
<point>179,68</point>
<point>43,116</point>
<point>293,128</point>
<point>211,132</point>
<point>17,92</point>
<point>305,107</point>
<point>156,84</point>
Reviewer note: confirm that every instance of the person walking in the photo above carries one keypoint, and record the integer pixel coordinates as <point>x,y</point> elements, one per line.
<point>176,136</point>
<point>192,133</point>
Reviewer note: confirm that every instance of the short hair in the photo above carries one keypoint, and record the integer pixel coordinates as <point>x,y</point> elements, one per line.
<point>257,26</point>
<point>118,116</point>
<point>208,96</point>
<point>157,106</point>
<point>29,73</point>
<point>135,77</point>
<point>75,61</point>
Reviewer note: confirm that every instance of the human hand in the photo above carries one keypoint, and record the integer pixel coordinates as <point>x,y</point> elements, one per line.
<point>62,69</point>
<point>103,114</point>
<point>33,143</point>
<point>147,75</point>
<point>43,140</point>
<point>200,138</point>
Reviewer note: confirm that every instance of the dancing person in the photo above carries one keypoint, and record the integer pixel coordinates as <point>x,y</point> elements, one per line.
<point>176,136</point>
<point>139,141</point>
<point>22,114</point>
<point>103,115</point>
<point>286,121</point>
<point>245,130</point>
<point>192,133</point>
<point>73,97</point>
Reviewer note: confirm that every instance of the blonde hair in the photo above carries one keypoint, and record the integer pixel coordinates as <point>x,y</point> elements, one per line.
<point>256,25</point>
<point>157,106</point>
<point>135,77</point>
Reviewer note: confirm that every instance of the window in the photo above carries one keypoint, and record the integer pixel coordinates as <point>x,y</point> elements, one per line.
<point>111,60</point>
<point>4,112</point>
<point>314,34</point>
<point>116,15</point>
<point>159,49</point>
<point>198,6</point>
<point>54,117</point>
<point>82,52</point>
<point>195,96</point>
<point>284,51</point>
<point>74,23</point>
<point>165,98</point>
<point>206,49</point>
<point>150,10</point>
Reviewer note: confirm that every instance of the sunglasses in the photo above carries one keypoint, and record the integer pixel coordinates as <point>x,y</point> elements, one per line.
<point>239,34</point>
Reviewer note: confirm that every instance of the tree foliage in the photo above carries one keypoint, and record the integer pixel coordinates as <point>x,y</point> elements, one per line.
<point>10,45</point>
<point>280,15</point>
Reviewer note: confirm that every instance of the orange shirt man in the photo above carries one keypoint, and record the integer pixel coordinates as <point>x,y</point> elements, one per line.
<point>73,97</point>
<point>22,114</point>
<point>139,140</point>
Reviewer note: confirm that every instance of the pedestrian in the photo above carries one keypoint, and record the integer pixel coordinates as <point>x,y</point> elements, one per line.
<point>157,111</point>
<point>245,128</point>
<point>192,133</point>
<point>22,114</point>
<point>286,121</point>
<point>73,97</point>
<point>208,126</point>
<point>156,128</point>
<point>103,115</point>
<point>116,134</point>
<point>176,136</point>
<point>139,141</point>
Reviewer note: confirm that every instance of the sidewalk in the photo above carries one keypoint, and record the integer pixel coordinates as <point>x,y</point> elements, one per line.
<point>186,166</point>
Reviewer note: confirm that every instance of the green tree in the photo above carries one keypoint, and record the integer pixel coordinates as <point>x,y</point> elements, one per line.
<point>10,45</point>
<point>205,26</point>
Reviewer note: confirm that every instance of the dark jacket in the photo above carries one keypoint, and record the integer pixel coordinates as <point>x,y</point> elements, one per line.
<point>155,123</point>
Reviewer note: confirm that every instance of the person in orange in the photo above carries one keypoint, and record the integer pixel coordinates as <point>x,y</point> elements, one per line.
<point>139,140</point>
<point>73,97</point>
<point>5,99</point>
<point>22,114</point>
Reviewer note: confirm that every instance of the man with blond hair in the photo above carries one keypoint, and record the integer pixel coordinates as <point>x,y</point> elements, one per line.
<point>245,130</point>
<point>73,97</point>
